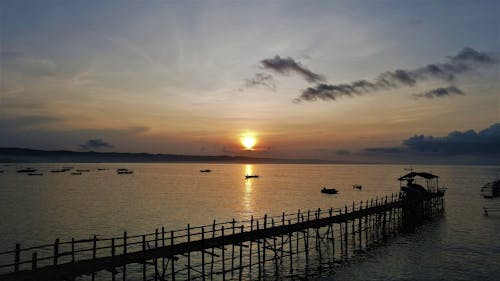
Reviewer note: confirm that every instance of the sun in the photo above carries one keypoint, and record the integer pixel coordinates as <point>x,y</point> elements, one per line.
<point>248,141</point>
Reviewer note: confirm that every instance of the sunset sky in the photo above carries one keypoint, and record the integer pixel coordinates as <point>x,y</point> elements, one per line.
<point>332,80</point>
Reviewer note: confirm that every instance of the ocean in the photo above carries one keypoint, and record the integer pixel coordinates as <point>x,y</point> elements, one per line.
<point>463,245</point>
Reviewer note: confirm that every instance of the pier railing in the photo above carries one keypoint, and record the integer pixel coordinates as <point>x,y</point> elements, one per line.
<point>287,244</point>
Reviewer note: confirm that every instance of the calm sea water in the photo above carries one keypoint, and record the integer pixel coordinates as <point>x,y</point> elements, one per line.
<point>465,245</point>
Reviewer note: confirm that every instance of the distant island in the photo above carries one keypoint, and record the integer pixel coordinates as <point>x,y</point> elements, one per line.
<point>24,155</point>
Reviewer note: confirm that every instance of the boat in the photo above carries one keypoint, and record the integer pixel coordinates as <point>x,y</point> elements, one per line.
<point>491,189</point>
<point>329,190</point>
<point>57,171</point>
<point>27,170</point>
<point>76,173</point>
<point>35,174</point>
<point>124,171</point>
<point>251,176</point>
<point>357,186</point>
<point>205,171</point>
<point>101,169</point>
<point>86,170</point>
<point>1,171</point>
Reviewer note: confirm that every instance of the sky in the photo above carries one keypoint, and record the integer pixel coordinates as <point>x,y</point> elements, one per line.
<point>376,81</point>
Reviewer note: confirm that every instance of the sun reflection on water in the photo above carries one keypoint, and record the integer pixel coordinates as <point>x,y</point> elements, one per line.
<point>248,203</point>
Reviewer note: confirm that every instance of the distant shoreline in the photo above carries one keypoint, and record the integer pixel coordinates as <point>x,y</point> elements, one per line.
<point>24,155</point>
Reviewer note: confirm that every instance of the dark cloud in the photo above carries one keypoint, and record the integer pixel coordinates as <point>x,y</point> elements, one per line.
<point>95,144</point>
<point>287,65</point>
<point>261,79</point>
<point>484,144</point>
<point>470,55</point>
<point>466,60</point>
<point>440,92</point>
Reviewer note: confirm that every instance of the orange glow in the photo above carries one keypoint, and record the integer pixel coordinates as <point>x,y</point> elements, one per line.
<point>248,141</point>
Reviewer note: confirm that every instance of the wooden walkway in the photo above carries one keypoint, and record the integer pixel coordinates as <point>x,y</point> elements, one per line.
<point>202,249</point>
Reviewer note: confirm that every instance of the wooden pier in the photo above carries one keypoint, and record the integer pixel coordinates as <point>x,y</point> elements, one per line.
<point>255,249</point>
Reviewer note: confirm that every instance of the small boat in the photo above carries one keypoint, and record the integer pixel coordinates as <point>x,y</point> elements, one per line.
<point>35,174</point>
<point>1,171</point>
<point>27,170</point>
<point>251,176</point>
<point>124,171</point>
<point>329,190</point>
<point>357,186</point>
<point>101,169</point>
<point>205,171</point>
<point>76,173</point>
<point>83,170</point>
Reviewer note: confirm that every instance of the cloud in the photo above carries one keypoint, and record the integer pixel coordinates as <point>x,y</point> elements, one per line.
<point>440,92</point>
<point>466,60</point>
<point>287,65</point>
<point>261,79</point>
<point>482,144</point>
<point>95,144</point>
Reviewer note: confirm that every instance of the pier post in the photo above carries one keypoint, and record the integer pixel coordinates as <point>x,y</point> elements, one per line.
<point>113,272</point>
<point>353,222</point>
<point>56,251</point>
<point>156,260</point>
<point>290,246</point>
<point>233,222</point>
<point>341,238</point>
<point>250,247</point>
<point>346,232</point>
<point>258,253</point>
<point>241,256</point>
<point>359,226</point>
<point>72,249</point>
<point>17,257</point>
<point>163,245</point>
<point>213,254</point>
<point>34,260</point>
<point>189,253</point>
<point>264,246</point>
<point>144,262</point>
<point>172,260</point>
<point>384,235</point>
<point>366,225</point>
<point>203,254</point>
<point>223,256</point>
<point>124,252</point>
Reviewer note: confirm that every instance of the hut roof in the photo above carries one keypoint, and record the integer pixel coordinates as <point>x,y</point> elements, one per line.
<point>411,175</point>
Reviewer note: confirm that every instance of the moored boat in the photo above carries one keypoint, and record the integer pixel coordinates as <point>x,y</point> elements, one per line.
<point>329,190</point>
<point>357,186</point>
<point>205,171</point>
<point>123,171</point>
<point>76,173</point>
<point>251,176</point>
<point>35,174</point>
<point>27,170</point>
